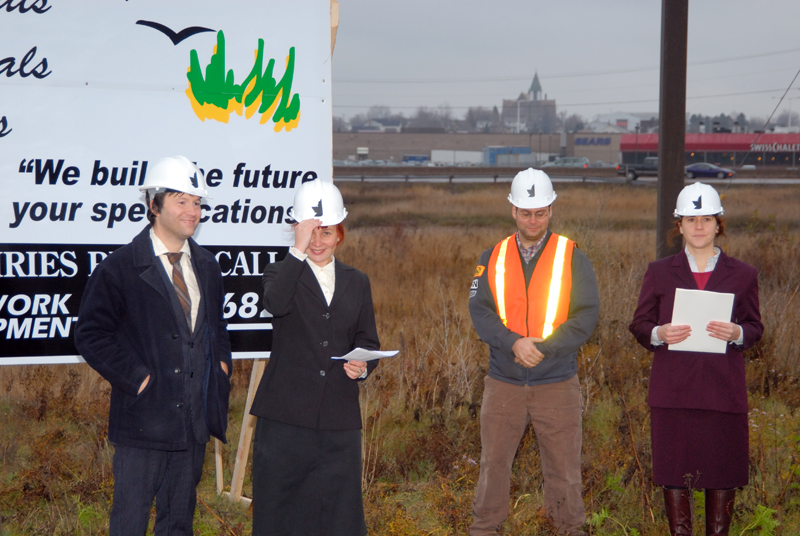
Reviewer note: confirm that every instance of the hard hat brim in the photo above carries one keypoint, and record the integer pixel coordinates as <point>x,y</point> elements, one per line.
<point>327,221</point>
<point>533,202</point>
<point>159,189</point>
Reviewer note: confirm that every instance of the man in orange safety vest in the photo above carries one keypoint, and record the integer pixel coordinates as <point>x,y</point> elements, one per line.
<point>534,301</point>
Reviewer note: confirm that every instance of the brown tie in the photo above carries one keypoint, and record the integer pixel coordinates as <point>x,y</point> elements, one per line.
<point>180,285</point>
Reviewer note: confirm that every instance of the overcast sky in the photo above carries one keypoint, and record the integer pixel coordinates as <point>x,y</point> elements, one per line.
<point>593,57</point>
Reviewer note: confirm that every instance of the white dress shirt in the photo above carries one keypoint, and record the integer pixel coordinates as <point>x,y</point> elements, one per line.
<point>326,275</point>
<point>186,265</point>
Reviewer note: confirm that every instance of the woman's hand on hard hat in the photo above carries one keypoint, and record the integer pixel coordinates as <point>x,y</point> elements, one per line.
<point>673,334</point>
<point>355,369</point>
<point>303,232</point>
<point>726,331</point>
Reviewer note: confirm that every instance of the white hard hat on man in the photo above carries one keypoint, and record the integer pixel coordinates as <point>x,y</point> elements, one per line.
<point>530,189</point>
<point>176,173</point>
<point>698,199</point>
<point>321,200</point>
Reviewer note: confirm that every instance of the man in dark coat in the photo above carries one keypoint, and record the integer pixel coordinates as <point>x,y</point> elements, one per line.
<point>151,324</point>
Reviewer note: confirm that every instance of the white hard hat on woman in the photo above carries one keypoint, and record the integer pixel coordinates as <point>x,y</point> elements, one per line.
<point>531,188</point>
<point>319,199</point>
<point>698,199</point>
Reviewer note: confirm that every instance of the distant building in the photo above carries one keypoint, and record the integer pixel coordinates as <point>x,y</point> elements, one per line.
<point>724,149</point>
<point>380,125</point>
<point>530,113</point>
<point>794,129</point>
<point>595,145</point>
<point>602,127</point>
<point>647,122</point>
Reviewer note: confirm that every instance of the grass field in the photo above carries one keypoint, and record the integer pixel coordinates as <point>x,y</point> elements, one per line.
<point>419,245</point>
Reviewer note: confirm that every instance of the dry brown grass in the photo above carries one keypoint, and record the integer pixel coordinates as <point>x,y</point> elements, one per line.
<point>419,244</point>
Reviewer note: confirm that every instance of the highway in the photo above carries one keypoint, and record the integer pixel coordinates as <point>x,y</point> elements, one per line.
<point>642,181</point>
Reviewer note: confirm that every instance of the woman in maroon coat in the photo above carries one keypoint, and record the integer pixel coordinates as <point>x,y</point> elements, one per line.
<point>698,400</point>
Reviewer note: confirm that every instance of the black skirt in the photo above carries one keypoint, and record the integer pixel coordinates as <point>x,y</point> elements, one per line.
<point>306,482</point>
<point>699,448</point>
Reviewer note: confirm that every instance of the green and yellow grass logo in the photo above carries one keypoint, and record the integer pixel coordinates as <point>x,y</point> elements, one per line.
<point>217,94</point>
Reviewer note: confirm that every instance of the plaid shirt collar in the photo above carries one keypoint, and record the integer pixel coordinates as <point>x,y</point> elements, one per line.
<point>529,253</point>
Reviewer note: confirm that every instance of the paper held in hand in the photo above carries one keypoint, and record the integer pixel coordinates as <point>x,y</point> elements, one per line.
<point>359,354</point>
<point>696,308</point>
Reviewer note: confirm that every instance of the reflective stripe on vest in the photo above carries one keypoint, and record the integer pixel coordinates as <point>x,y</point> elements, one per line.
<point>535,311</point>
<point>500,280</point>
<point>555,286</point>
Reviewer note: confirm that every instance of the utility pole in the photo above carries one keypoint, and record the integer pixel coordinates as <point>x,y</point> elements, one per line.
<point>672,119</point>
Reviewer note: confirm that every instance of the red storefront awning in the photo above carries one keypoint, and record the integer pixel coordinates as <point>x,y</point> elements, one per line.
<point>769,143</point>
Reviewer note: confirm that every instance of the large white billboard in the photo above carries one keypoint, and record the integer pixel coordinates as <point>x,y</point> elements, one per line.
<point>94,91</point>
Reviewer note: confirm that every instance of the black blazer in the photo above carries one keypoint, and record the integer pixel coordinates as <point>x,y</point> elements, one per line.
<point>127,329</point>
<point>697,380</point>
<point>302,385</point>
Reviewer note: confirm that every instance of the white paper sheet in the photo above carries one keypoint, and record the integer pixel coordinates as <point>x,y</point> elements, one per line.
<point>359,354</point>
<point>697,308</point>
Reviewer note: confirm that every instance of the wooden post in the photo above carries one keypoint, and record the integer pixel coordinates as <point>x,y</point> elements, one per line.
<point>218,463</point>
<point>334,23</point>
<point>671,119</point>
<point>245,438</point>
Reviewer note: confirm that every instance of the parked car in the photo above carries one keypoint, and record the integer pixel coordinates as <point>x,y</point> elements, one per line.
<point>633,171</point>
<point>704,169</point>
<point>569,161</point>
<point>601,164</point>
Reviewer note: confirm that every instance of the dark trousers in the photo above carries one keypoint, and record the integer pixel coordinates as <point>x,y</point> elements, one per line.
<point>306,482</point>
<point>171,477</point>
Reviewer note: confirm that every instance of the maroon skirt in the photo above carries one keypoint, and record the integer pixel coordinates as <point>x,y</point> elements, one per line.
<point>699,448</point>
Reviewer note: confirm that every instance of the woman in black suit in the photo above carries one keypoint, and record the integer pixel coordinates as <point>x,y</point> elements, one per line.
<point>307,454</point>
<point>698,400</point>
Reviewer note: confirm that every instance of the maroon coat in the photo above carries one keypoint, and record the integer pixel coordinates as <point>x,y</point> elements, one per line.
<point>697,380</point>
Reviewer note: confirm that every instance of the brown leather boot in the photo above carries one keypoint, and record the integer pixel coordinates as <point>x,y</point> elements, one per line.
<point>678,503</point>
<point>719,509</point>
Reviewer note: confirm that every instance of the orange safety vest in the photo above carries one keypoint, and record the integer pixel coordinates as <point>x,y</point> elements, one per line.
<point>545,305</point>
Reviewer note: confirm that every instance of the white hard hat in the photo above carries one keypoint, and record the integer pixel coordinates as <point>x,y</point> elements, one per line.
<point>532,188</point>
<point>319,199</point>
<point>176,173</point>
<point>698,199</point>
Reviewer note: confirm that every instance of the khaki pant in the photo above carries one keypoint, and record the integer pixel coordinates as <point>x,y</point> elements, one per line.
<point>555,411</point>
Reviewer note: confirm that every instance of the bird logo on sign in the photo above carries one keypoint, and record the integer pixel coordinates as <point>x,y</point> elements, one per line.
<point>175,37</point>
<point>699,202</point>
<point>532,191</point>
<point>318,209</point>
